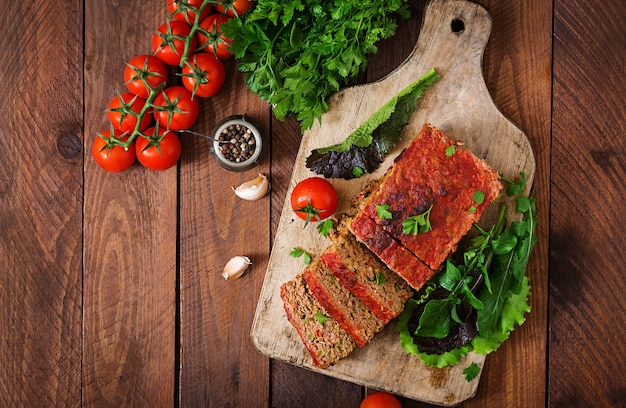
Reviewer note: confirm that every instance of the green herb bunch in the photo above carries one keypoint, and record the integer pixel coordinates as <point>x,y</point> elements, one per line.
<point>480,295</point>
<point>295,53</point>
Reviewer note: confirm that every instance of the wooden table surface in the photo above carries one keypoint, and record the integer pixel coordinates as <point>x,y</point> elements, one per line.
<point>111,291</point>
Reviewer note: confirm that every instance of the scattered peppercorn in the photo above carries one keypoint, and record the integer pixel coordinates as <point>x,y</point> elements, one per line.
<point>240,145</point>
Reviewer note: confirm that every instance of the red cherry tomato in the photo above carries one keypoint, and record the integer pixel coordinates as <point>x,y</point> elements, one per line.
<point>314,199</point>
<point>204,75</point>
<point>159,152</point>
<point>123,111</point>
<point>380,400</point>
<point>111,156</point>
<point>210,37</point>
<point>168,42</point>
<point>176,109</point>
<point>233,8</point>
<point>185,10</point>
<point>144,73</point>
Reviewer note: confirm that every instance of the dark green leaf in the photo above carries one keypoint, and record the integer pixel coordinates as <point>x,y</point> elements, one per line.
<point>436,319</point>
<point>450,276</point>
<point>471,371</point>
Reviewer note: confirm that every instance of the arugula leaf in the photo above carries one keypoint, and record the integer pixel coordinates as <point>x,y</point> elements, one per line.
<point>366,146</point>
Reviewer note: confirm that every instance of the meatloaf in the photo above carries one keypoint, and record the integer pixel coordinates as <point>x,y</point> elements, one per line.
<point>348,310</point>
<point>432,175</point>
<point>323,338</point>
<point>384,292</point>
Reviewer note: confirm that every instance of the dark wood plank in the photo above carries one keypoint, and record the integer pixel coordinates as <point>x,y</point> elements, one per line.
<point>130,234</point>
<point>219,364</point>
<point>40,197</point>
<point>587,263</point>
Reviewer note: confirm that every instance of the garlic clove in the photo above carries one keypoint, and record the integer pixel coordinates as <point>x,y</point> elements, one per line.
<point>254,189</point>
<point>236,267</point>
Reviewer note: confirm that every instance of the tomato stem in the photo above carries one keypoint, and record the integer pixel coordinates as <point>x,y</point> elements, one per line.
<point>194,28</point>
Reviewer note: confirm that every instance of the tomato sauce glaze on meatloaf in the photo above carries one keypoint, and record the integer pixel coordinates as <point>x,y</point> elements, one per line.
<point>431,172</point>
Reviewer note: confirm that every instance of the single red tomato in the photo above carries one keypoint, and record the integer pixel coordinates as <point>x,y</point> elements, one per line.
<point>108,153</point>
<point>185,10</point>
<point>380,400</point>
<point>210,36</point>
<point>233,8</point>
<point>204,75</point>
<point>175,108</point>
<point>124,110</point>
<point>168,42</point>
<point>160,150</point>
<point>314,199</point>
<point>144,73</point>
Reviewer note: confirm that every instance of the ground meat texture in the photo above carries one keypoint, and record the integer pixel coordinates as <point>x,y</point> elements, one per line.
<point>348,310</point>
<point>429,173</point>
<point>325,341</point>
<point>384,292</point>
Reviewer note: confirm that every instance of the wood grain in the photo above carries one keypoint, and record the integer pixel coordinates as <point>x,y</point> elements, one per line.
<point>587,319</point>
<point>130,235</point>
<point>219,364</point>
<point>40,198</point>
<point>458,103</point>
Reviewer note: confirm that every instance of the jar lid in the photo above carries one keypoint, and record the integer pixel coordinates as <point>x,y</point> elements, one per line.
<point>237,143</point>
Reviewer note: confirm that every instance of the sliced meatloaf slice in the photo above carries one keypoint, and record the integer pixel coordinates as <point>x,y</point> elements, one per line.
<point>399,259</point>
<point>384,292</point>
<point>323,338</point>
<point>344,307</point>
<point>432,174</point>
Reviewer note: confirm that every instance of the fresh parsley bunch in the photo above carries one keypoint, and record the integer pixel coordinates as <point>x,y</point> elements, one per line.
<point>295,53</point>
<point>477,299</point>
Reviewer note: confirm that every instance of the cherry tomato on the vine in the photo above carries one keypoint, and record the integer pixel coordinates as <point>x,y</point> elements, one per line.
<point>185,10</point>
<point>210,36</point>
<point>204,75</point>
<point>111,156</point>
<point>175,108</point>
<point>168,42</point>
<point>314,199</point>
<point>380,399</point>
<point>160,151</point>
<point>234,8</point>
<point>123,112</point>
<point>144,73</point>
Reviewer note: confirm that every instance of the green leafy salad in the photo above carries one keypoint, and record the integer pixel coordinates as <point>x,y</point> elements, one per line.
<point>295,53</point>
<point>482,292</point>
<point>365,149</point>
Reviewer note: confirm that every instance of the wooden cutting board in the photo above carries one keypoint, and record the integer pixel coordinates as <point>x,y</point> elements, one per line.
<point>453,36</point>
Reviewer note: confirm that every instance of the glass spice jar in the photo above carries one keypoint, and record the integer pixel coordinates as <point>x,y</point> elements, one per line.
<point>237,143</point>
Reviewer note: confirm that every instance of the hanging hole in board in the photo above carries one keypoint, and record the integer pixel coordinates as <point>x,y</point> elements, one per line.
<point>457,25</point>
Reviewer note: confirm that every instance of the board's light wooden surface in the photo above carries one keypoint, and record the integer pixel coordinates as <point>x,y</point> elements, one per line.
<point>452,40</point>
